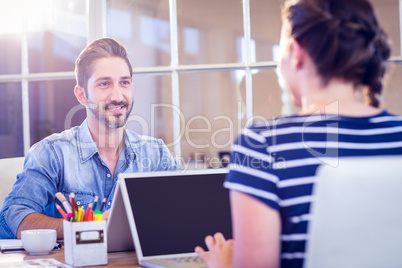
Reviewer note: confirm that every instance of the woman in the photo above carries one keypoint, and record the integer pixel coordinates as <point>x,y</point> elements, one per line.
<point>330,50</point>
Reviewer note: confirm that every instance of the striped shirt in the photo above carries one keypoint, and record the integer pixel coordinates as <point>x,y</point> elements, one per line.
<point>276,161</point>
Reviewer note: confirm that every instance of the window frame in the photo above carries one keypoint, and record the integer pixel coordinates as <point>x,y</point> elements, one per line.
<point>97,28</point>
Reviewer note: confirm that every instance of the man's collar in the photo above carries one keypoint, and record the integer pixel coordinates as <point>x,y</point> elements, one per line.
<point>129,150</point>
<point>87,146</point>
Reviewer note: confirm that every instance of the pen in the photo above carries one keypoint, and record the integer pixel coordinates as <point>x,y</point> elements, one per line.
<point>80,213</point>
<point>65,203</point>
<point>98,217</point>
<point>70,216</point>
<point>61,211</point>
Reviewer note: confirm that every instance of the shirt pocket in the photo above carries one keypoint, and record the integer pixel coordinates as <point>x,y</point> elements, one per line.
<point>82,199</point>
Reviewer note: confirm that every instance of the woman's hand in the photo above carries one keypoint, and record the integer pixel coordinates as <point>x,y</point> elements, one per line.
<point>220,251</point>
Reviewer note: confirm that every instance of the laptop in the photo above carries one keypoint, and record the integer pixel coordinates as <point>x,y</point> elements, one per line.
<point>356,216</point>
<point>170,213</point>
<point>118,231</point>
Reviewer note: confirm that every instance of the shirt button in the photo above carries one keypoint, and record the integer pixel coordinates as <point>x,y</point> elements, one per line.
<point>108,175</point>
<point>78,203</point>
<point>108,203</point>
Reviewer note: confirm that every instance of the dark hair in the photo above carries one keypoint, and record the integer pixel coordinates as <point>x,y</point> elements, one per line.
<point>100,48</point>
<point>344,40</point>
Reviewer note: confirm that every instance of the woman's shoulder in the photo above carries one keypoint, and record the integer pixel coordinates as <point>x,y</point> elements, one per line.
<point>284,122</point>
<point>386,117</point>
<point>317,118</point>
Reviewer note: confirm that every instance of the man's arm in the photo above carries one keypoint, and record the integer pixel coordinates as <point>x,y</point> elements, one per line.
<point>41,221</point>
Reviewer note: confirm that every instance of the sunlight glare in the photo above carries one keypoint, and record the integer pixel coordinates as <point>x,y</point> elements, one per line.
<point>15,13</point>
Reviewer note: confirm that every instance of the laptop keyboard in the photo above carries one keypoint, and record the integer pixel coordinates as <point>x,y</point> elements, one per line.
<point>182,260</point>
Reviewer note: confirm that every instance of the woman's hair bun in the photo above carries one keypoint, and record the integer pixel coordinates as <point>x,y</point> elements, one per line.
<point>343,38</point>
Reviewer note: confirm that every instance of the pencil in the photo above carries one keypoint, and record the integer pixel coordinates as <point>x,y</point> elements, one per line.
<point>103,204</point>
<point>64,201</point>
<point>91,215</point>
<point>72,201</point>
<point>89,208</point>
<point>73,204</point>
<point>95,201</point>
<point>61,211</point>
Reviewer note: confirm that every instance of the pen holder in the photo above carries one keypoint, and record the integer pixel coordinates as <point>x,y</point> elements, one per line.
<point>85,243</point>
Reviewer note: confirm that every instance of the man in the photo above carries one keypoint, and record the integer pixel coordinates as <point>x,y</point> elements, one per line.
<point>87,159</point>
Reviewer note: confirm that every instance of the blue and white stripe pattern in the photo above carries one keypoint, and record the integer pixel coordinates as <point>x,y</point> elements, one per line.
<point>276,161</point>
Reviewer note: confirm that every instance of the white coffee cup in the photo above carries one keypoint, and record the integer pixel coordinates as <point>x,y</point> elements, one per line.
<point>38,242</point>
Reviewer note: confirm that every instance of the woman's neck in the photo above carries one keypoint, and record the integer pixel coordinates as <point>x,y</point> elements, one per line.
<point>337,97</point>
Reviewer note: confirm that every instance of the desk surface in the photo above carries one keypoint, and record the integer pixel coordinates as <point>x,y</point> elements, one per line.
<point>116,259</point>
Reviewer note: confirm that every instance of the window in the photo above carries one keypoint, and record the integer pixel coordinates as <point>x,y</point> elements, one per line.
<point>203,70</point>
<point>39,45</point>
<point>11,120</point>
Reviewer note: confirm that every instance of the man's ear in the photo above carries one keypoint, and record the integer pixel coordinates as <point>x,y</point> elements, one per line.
<point>298,55</point>
<point>80,95</point>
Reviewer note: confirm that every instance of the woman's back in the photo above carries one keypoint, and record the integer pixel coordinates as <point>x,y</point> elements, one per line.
<point>329,50</point>
<point>287,152</point>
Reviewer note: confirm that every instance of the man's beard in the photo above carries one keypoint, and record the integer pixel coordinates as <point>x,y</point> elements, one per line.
<point>111,121</point>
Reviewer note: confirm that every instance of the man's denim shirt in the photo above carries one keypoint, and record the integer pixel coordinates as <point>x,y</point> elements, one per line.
<point>70,162</point>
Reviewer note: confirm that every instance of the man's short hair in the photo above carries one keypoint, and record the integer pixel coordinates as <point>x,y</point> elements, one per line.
<point>98,49</point>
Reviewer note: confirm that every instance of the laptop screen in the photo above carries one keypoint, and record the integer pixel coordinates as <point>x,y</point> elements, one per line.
<point>173,214</point>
